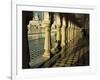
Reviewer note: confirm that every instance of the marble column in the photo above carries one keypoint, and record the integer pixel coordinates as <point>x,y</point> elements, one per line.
<point>72,34</point>
<point>55,30</point>
<point>63,32</point>
<point>47,46</point>
<point>75,34</point>
<point>68,33</point>
<point>57,44</point>
<point>58,28</point>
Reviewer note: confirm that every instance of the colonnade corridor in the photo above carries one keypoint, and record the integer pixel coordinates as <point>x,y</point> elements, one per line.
<point>58,40</point>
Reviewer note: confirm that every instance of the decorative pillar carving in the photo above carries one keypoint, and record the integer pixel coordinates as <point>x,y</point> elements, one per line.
<point>47,46</point>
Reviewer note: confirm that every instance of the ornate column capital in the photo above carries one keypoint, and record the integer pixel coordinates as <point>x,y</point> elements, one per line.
<point>57,20</point>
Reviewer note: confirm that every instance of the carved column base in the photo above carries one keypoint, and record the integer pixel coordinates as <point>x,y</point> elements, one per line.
<point>46,54</point>
<point>56,48</point>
